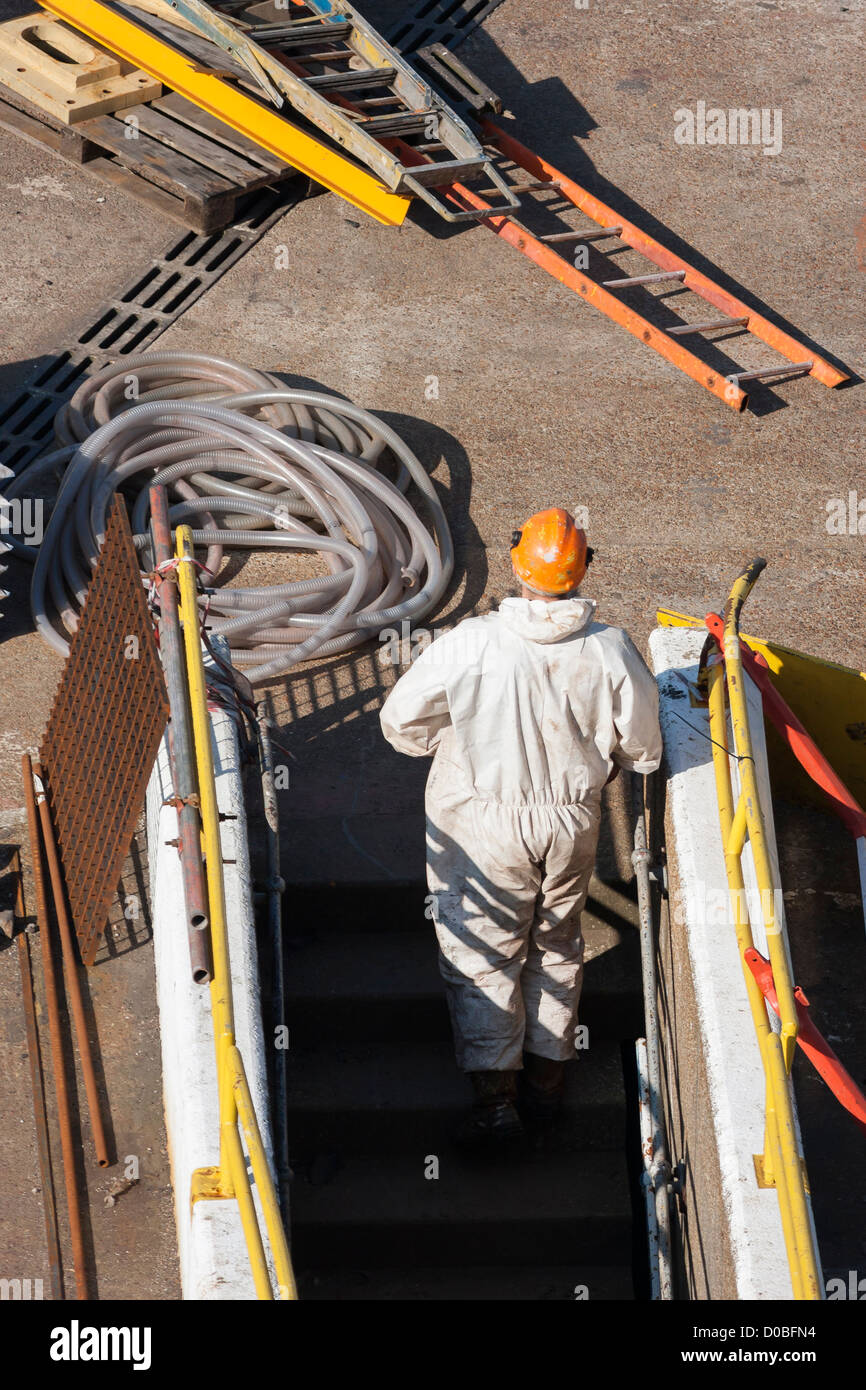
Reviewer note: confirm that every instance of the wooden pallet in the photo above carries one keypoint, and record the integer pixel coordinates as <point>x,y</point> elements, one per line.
<point>182,161</point>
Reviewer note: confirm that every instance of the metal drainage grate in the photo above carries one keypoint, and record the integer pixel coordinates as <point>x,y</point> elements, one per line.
<point>108,716</point>
<point>438,21</point>
<point>136,319</point>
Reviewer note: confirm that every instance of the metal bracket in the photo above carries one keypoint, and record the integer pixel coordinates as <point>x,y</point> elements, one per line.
<point>658,874</point>
<point>206,1185</point>
<point>764,1181</point>
<point>448,69</point>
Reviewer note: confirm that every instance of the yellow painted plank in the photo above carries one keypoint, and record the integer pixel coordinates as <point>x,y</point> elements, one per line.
<point>242,112</point>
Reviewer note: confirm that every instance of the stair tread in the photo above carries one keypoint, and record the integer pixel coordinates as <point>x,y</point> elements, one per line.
<point>408,1075</point>
<point>383,963</point>
<point>393,1191</point>
<point>490,1283</point>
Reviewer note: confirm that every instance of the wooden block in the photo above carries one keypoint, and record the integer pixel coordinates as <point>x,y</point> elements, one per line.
<point>65,74</point>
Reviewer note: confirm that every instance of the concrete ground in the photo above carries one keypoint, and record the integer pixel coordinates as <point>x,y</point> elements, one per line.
<point>541,400</point>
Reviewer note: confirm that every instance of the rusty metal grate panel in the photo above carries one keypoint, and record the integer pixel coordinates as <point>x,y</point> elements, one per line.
<point>108,716</point>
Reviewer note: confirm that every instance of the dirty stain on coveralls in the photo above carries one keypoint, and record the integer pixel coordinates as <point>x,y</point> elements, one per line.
<point>527,710</point>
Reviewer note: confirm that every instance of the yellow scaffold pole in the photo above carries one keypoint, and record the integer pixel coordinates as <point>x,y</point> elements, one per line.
<point>235,1102</point>
<point>780,1165</point>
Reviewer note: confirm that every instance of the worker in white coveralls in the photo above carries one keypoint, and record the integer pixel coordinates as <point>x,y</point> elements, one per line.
<point>529,711</point>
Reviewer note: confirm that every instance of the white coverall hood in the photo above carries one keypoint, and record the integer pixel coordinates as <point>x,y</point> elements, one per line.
<point>543,620</point>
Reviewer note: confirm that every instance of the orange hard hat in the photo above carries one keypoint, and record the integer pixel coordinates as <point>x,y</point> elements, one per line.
<point>549,553</point>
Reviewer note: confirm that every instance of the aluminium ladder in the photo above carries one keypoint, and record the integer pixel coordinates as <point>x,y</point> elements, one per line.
<point>138,39</point>
<point>334,69</point>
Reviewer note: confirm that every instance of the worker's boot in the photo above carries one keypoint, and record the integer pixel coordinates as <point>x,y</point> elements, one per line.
<point>542,1084</point>
<point>493,1122</point>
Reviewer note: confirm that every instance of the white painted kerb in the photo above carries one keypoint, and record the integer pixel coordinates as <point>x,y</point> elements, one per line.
<point>734,1070</point>
<point>213,1254</point>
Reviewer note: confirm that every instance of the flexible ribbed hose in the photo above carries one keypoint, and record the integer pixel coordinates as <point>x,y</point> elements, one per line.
<point>259,467</point>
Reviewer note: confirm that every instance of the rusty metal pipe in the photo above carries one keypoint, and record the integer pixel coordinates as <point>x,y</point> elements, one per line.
<point>275,889</point>
<point>73,980</point>
<point>54,1027</point>
<point>37,1082</point>
<point>180,745</point>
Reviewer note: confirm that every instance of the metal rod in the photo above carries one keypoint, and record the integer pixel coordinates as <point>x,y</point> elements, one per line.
<point>582,236</point>
<point>64,1116</point>
<point>656,278</point>
<point>685,328</point>
<point>73,980</point>
<point>646,1145</point>
<point>536,186</point>
<point>181,744</point>
<point>287,1288</point>
<point>784,370</point>
<point>658,1175</point>
<point>275,887</point>
<point>37,1082</point>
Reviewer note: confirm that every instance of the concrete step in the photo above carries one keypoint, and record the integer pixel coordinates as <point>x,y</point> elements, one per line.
<point>374,1213</point>
<point>360,1098</point>
<point>551,1283</point>
<point>379,984</point>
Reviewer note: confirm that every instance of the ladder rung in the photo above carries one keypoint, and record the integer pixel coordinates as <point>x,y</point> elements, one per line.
<point>536,186</point>
<point>685,328</point>
<point>326,55</point>
<point>398,122</point>
<point>582,236</point>
<point>737,377</point>
<point>447,171</point>
<point>653,279</point>
<point>297,33</point>
<point>345,81</point>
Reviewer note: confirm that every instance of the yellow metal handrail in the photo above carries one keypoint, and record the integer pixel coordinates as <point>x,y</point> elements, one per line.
<point>230,1179</point>
<point>780,1165</point>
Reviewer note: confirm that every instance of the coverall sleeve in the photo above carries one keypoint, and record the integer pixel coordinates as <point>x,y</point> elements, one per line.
<point>636,714</point>
<point>416,712</point>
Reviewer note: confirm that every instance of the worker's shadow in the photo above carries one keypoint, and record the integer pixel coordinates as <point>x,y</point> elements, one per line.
<point>549,119</point>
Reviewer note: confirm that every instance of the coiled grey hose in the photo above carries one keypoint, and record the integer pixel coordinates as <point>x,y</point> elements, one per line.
<point>257,466</point>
